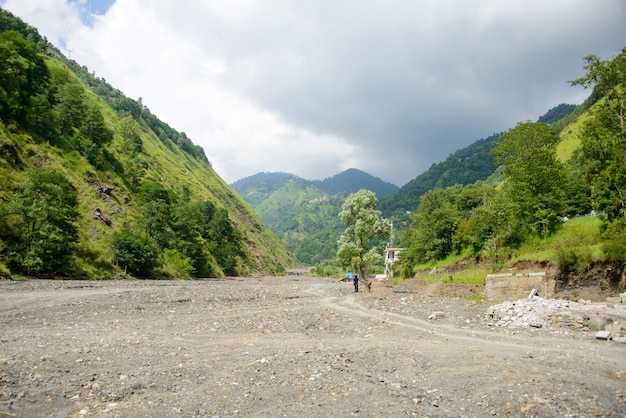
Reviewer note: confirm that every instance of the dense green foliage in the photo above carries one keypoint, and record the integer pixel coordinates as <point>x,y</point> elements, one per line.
<point>557,113</point>
<point>539,191</point>
<point>604,136</point>
<point>535,179</point>
<point>466,166</point>
<point>92,184</point>
<point>39,225</point>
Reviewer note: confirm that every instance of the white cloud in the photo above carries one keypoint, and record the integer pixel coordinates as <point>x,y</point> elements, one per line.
<point>313,88</point>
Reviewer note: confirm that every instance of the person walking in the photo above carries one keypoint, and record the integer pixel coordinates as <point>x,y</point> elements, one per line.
<point>355,281</point>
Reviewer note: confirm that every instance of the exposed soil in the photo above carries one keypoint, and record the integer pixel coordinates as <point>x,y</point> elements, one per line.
<point>289,346</point>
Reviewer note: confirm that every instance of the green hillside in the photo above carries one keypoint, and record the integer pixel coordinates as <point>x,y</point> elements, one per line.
<point>560,200</point>
<point>353,180</point>
<point>92,184</point>
<point>465,166</point>
<point>303,213</point>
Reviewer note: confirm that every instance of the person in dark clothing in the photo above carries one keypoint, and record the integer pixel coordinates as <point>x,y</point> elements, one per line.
<point>355,281</point>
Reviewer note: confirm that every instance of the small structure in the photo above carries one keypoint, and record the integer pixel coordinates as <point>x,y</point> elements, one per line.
<point>511,286</point>
<point>391,256</point>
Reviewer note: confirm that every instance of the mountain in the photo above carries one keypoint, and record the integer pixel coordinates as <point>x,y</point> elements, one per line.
<point>304,213</point>
<point>258,187</point>
<point>465,166</point>
<point>352,180</point>
<point>94,185</point>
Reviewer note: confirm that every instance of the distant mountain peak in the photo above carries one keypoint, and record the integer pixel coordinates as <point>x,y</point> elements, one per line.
<point>348,181</point>
<point>352,180</point>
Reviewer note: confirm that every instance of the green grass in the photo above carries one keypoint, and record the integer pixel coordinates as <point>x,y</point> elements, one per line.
<point>473,275</point>
<point>578,234</point>
<point>577,243</point>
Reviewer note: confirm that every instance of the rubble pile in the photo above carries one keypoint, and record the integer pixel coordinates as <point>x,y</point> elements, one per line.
<point>536,312</point>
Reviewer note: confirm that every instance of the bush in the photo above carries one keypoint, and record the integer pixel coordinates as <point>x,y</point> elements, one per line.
<point>328,268</point>
<point>134,253</point>
<point>175,265</point>
<point>614,248</point>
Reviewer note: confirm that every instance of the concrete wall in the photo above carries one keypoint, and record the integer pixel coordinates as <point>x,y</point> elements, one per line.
<point>511,286</point>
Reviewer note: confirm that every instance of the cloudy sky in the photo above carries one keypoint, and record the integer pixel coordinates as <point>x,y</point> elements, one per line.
<point>316,87</point>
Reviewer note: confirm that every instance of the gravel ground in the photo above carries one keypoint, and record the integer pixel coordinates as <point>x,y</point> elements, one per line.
<point>289,346</point>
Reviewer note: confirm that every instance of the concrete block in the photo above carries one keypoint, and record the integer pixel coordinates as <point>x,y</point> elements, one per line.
<point>603,335</point>
<point>517,286</point>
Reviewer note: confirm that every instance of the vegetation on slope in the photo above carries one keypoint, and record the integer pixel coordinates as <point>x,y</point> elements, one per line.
<point>303,213</point>
<point>92,184</point>
<point>552,173</point>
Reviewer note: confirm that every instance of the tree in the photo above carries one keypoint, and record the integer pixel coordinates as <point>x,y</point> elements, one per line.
<point>70,107</point>
<point>430,236</point>
<point>23,74</point>
<point>134,253</point>
<point>609,79</point>
<point>46,208</point>
<point>365,224</point>
<point>604,136</point>
<point>129,136</point>
<point>535,179</point>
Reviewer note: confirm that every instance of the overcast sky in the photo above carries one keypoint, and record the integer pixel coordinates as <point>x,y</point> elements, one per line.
<point>316,87</point>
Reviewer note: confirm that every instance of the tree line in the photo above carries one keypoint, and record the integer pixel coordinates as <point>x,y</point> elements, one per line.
<point>539,192</point>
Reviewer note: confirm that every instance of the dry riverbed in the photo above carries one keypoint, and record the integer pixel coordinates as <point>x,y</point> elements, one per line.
<point>288,346</point>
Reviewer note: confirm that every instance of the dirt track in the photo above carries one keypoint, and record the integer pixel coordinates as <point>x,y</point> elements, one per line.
<point>285,347</point>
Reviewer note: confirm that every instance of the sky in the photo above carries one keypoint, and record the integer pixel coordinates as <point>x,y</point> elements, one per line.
<point>313,88</point>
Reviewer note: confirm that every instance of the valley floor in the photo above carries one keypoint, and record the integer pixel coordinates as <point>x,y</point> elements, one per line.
<point>287,346</point>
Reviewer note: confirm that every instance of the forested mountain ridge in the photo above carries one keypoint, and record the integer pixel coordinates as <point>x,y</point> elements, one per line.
<point>259,186</point>
<point>464,167</point>
<point>303,213</point>
<point>352,180</point>
<point>92,184</point>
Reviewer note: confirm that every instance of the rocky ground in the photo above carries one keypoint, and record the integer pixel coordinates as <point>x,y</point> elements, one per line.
<point>298,346</point>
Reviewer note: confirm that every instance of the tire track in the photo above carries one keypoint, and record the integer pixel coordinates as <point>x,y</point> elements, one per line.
<point>348,304</point>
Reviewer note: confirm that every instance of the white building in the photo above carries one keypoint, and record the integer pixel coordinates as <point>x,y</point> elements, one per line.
<point>391,256</point>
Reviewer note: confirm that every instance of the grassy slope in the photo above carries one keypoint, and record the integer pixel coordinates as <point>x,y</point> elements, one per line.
<point>167,164</point>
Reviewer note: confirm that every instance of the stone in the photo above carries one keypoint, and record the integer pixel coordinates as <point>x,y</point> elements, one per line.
<point>436,315</point>
<point>616,329</point>
<point>603,335</point>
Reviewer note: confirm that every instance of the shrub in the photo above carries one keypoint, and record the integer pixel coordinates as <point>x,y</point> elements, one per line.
<point>134,253</point>
<point>175,265</point>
